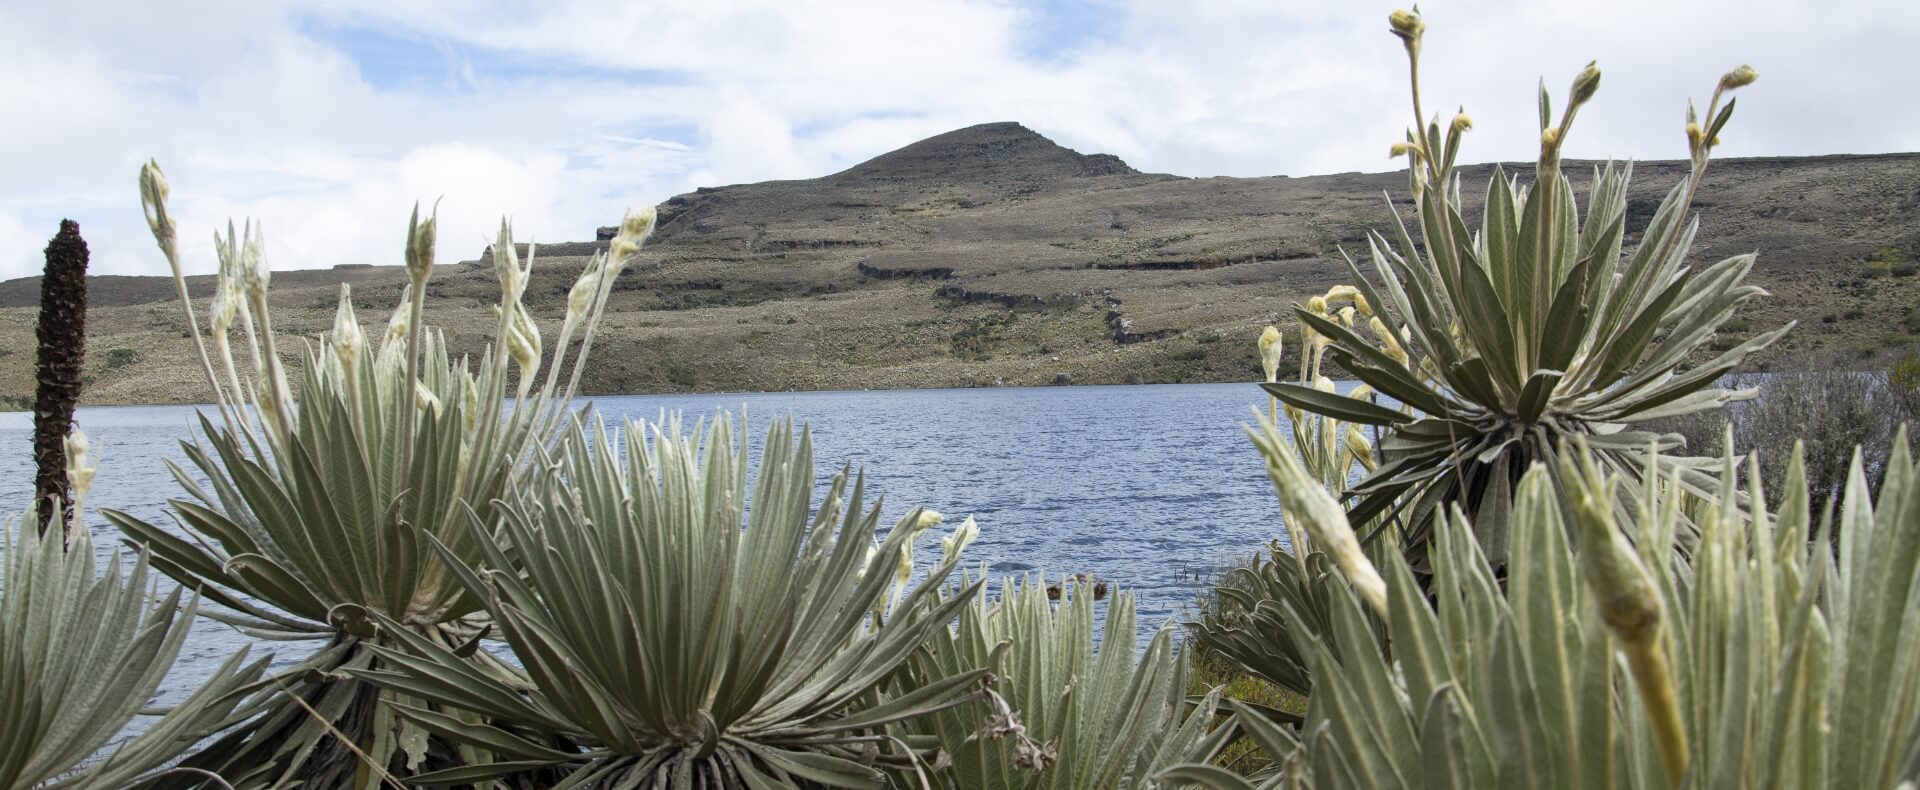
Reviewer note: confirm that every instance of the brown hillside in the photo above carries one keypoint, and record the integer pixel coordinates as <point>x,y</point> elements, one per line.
<point>991,255</point>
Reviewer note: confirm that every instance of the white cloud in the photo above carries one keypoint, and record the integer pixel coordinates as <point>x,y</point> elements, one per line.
<point>564,114</point>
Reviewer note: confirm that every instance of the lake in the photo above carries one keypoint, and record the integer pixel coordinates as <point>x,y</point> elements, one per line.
<point>1153,488</point>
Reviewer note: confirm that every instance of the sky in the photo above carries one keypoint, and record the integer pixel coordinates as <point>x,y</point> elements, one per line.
<point>327,120</point>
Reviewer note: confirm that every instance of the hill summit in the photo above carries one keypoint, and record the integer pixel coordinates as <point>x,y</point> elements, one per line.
<point>985,152</point>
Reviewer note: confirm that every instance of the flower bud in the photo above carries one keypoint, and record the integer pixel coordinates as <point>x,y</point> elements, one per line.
<point>1346,316</point>
<point>506,265</point>
<point>424,399</point>
<point>523,344</point>
<point>927,520</point>
<point>1358,446</point>
<point>1317,305</point>
<point>1272,344</point>
<point>1324,384</point>
<point>1387,339</point>
<point>903,569</point>
<point>965,534</point>
<point>402,319</point>
<point>79,472</point>
<point>1341,293</point>
<point>634,230</point>
<point>1586,83</point>
<point>580,299</point>
<point>153,200</point>
<point>1738,78</point>
<point>254,271</point>
<point>1360,303</point>
<point>348,339</point>
<point>420,239</point>
<point>1407,25</point>
<point>1307,504</point>
<point>1462,122</point>
<point>1695,136</point>
<point>1401,149</point>
<point>1628,599</point>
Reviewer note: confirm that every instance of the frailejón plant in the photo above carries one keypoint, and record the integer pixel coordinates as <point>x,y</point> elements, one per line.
<point>81,652</point>
<point>1504,343</point>
<point>321,512</point>
<point>1764,661</point>
<point>677,632</point>
<point>1067,712</point>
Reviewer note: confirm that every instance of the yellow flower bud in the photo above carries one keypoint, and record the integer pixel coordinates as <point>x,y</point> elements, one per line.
<point>1462,122</point>
<point>523,344</point>
<point>903,569</point>
<point>1307,504</point>
<point>1360,303</point>
<point>953,544</point>
<point>1738,78</point>
<point>928,520</point>
<point>1346,316</point>
<point>1271,346</point>
<point>79,472</point>
<point>634,230</point>
<point>580,298</point>
<point>1317,305</point>
<point>1401,149</point>
<point>1695,136</point>
<point>1407,25</point>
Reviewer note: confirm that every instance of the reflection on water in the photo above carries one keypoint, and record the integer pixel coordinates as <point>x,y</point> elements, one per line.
<point>1146,486</point>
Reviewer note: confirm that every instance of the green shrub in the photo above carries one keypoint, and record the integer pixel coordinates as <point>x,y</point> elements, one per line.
<point>117,358</point>
<point>1760,662</point>
<point>676,631</point>
<point>1530,332</point>
<point>1905,270</point>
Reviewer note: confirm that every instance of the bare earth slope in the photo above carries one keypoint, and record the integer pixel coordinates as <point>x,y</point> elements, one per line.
<point>990,255</point>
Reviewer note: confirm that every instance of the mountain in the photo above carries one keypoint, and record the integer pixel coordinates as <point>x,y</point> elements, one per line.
<point>991,255</point>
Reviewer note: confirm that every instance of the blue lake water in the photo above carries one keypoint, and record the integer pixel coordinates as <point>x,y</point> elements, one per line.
<point>1153,488</point>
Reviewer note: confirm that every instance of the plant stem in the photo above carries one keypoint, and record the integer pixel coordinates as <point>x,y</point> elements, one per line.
<point>1648,662</point>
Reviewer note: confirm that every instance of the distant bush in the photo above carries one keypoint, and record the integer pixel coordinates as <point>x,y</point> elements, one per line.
<point>117,358</point>
<point>1831,411</point>
<point>1905,270</point>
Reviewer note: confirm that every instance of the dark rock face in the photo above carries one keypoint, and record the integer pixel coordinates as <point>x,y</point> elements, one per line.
<point>62,360</point>
<point>606,232</point>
